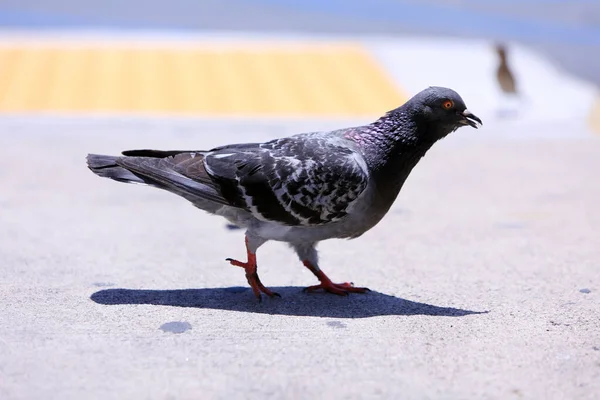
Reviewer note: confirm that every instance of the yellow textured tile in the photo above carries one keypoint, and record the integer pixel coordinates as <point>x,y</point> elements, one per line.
<point>245,80</point>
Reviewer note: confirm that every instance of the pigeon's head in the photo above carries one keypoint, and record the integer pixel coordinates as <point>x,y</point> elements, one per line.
<point>441,110</point>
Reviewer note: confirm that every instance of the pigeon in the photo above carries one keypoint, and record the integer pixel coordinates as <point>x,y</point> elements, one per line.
<point>305,188</point>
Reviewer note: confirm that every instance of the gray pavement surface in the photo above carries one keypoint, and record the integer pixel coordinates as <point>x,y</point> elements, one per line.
<point>485,276</point>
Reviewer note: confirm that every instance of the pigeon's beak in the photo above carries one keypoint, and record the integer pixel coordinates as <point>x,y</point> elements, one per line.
<point>470,119</point>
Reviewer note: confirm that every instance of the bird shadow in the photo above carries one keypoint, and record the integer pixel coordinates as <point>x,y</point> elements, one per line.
<point>293,302</point>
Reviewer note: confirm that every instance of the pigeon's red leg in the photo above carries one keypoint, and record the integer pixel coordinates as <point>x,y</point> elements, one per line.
<point>251,274</point>
<point>342,289</point>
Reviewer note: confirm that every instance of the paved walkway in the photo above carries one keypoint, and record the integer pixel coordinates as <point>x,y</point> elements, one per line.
<point>485,276</point>
<point>485,273</point>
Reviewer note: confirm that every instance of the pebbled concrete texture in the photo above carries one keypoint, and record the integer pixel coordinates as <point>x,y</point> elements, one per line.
<point>485,275</point>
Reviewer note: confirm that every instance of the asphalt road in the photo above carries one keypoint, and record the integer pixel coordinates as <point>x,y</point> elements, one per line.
<point>484,275</point>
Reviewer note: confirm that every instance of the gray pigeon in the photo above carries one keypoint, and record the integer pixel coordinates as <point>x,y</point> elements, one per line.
<point>304,188</point>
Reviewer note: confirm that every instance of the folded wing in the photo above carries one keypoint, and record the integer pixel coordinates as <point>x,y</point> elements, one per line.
<point>293,181</point>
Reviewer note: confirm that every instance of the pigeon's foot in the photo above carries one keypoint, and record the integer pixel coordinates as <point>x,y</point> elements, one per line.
<point>341,289</point>
<point>252,276</point>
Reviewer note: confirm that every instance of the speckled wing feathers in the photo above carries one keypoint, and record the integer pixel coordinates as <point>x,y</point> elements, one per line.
<point>305,180</point>
<point>302,180</point>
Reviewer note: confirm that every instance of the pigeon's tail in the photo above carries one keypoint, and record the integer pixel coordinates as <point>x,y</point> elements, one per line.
<point>163,170</point>
<point>107,167</point>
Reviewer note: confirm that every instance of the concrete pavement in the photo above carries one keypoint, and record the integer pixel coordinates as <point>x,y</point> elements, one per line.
<point>484,275</point>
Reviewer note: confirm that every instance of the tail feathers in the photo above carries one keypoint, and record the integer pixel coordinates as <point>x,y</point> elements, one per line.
<point>156,172</point>
<point>107,167</point>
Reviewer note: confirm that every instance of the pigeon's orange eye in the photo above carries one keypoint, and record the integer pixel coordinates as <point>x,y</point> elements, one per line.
<point>448,104</point>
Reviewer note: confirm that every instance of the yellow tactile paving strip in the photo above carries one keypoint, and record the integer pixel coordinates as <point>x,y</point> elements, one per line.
<point>339,80</point>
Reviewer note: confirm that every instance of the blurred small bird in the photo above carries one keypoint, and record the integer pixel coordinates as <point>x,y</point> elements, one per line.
<point>305,188</point>
<point>505,77</point>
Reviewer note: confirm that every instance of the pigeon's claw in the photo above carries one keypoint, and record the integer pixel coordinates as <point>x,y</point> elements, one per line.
<point>252,276</point>
<point>341,289</point>
<point>244,265</point>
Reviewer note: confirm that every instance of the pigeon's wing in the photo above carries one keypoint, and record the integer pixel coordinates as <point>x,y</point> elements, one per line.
<point>303,180</point>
